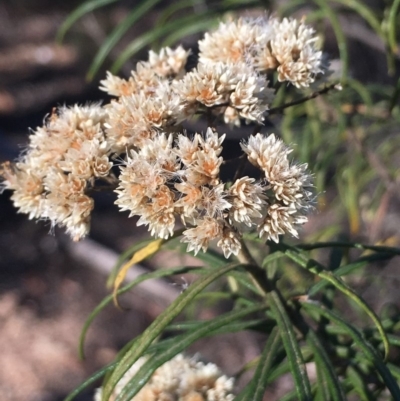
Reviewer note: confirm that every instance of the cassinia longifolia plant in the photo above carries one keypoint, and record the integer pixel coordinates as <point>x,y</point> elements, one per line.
<point>170,178</point>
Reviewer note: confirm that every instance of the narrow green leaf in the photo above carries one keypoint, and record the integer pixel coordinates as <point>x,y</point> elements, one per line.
<point>322,393</point>
<point>331,15</point>
<point>284,367</point>
<point>271,257</point>
<point>393,24</point>
<point>362,91</point>
<point>157,327</point>
<point>172,9</point>
<point>178,345</point>
<point>287,9</point>
<point>117,33</point>
<point>318,269</point>
<point>259,380</point>
<point>395,370</point>
<point>83,9</point>
<point>297,365</point>
<point>243,279</point>
<point>191,29</point>
<point>394,340</point>
<point>325,367</point>
<point>233,327</point>
<point>350,268</point>
<point>358,383</point>
<point>343,244</point>
<point>149,37</point>
<point>342,271</point>
<point>368,350</point>
<point>107,300</point>
<point>92,379</point>
<point>365,12</point>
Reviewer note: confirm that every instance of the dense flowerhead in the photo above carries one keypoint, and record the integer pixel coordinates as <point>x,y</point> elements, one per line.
<point>167,176</point>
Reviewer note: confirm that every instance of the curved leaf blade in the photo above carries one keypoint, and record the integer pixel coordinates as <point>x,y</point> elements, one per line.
<point>178,344</point>
<point>117,34</point>
<point>325,366</point>
<point>368,350</point>
<point>314,267</point>
<point>82,10</point>
<point>147,251</point>
<point>92,379</point>
<point>259,381</point>
<point>157,327</point>
<point>296,361</point>
<point>149,37</point>
<point>107,300</point>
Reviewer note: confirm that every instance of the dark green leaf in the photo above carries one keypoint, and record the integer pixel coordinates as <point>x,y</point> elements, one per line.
<point>157,327</point>
<point>292,347</point>
<point>259,381</point>
<point>178,345</point>
<point>368,350</point>
<point>358,383</point>
<point>107,300</point>
<point>318,269</point>
<point>92,379</point>
<point>325,367</point>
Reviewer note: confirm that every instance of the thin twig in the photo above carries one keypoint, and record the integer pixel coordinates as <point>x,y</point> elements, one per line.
<point>279,109</point>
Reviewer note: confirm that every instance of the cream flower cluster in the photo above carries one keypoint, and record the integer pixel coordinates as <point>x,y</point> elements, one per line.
<point>286,46</point>
<point>180,379</point>
<point>166,175</point>
<point>63,160</point>
<point>166,179</point>
<point>146,102</point>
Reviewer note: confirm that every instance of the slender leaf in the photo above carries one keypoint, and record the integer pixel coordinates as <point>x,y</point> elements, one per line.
<point>325,366</point>
<point>284,367</point>
<point>358,383</point>
<point>187,30</point>
<point>318,269</point>
<point>356,245</point>
<point>297,365</point>
<point>259,381</point>
<point>149,37</point>
<point>178,345</point>
<point>365,12</point>
<point>92,379</point>
<point>368,350</point>
<point>233,327</point>
<point>172,9</point>
<point>117,34</point>
<point>83,9</point>
<point>393,24</point>
<point>107,300</point>
<point>140,255</point>
<point>341,40</point>
<point>157,327</point>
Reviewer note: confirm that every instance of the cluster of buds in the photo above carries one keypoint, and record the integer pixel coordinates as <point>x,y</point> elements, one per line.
<point>166,175</point>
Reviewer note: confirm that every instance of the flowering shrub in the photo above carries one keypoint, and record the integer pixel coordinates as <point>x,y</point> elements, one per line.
<point>171,179</point>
